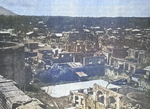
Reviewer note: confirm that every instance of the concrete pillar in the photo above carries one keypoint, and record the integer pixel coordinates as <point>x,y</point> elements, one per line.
<point>110,60</point>
<point>119,103</point>
<point>84,61</point>
<point>129,67</point>
<point>94,96</point>
<point>74,100</point>
<point>124,66</point>
<point>134,68</point>
<point>128,53</point>
<point>79,100</point>
<point>115,64</point>
<point>73,58</point>
<point>105,100</point>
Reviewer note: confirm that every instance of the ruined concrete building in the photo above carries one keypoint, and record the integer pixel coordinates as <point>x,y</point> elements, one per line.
<point>96,98</point>
<point>101,60</point>
<point>12,62</point>
<point>13,98</point>
<point>126,58</point>
<point>81,46</point>
<point>5,36</point>
<point>140,55</point>
<point>69,57</point>
<point>119,63</point>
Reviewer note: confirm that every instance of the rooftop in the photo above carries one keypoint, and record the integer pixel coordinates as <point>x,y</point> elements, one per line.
<point>81,74</point>
<point>64,89</point>
<point>58,34</point>
<point>29,33</point>
<point>4,32</point>
<point>75,64</point>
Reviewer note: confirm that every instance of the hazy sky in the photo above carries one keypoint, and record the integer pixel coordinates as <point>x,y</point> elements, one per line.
<point>91,8</point>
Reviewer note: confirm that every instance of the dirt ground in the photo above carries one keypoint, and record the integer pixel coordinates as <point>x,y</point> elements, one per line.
<point>141,98</point>
<point>50,102</point>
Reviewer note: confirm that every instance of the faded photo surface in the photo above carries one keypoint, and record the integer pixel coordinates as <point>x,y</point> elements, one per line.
<point>74,54</point>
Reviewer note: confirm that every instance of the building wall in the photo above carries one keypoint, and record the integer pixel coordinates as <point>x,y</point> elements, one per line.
<point>90,104</point>
<point>94,60</point>
<point>5,36</point>
<point>96,98</point>
<point>123,64</point>
<point>33,46</point>
<point>12,62</point>
<point>120,52</point>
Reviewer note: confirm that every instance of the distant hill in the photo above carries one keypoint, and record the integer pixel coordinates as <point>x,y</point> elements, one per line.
<point>4,11</point>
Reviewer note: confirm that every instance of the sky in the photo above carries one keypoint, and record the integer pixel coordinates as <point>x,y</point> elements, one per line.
<point>79,8</point>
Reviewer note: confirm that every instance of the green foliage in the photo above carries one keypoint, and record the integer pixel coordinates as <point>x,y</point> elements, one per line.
<point>33,88</point>
<point>19,23</point>
<point>63,23</point>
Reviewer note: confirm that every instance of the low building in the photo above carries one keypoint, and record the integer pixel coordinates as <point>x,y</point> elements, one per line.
<point>5,36</point>
<point>30,34</point>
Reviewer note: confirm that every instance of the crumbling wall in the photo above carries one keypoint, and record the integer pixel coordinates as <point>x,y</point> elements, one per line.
<point>111,99</point>
<point>94,60</point>
<point>96,98</point>
<point>123,64</point>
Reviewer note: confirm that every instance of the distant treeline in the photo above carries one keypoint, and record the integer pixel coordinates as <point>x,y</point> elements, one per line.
<point>62,23</point>
<point>67,23</point>
<point>23,23</point>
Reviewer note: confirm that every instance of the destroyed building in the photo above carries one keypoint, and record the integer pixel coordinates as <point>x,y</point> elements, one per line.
<point>108,97</point>
<point>129,59</point>
<point>140,56</point>
<point>81,46</point>
<point>97,97</point>
<point>69,57</point>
